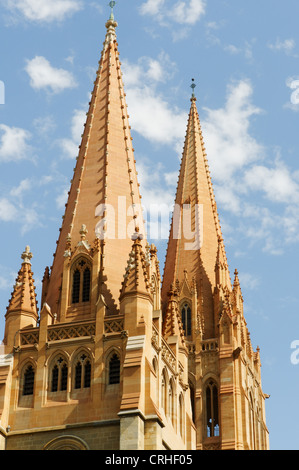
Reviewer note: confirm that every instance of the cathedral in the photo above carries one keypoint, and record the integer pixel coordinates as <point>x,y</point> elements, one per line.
<point>122,356</point>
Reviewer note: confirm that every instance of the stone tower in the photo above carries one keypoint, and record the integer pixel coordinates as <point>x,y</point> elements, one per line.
<point>113,360</point>
<point>224,372</point>
<point>93,370</point>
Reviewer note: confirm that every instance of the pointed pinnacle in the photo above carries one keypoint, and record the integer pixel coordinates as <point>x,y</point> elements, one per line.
<point>26,255</point>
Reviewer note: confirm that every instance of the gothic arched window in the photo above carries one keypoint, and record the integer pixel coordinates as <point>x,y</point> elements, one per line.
<point>114,369</point>
<point>164,398</point>
<point>212,418</point>
<point>181,416</point>
<point>171,401</point>
<point>28,384</point>
<point>82,372</point>
<point>186,319</point>
<point>192,397</point>
<point>252,422</point>
<point>81,282</point>
<point>76,287</point>
<point>59,374</point>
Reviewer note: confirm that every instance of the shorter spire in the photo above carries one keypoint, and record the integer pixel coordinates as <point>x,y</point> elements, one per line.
<point>23,297</point>
<point>136,276</point>
<point>172,324</point>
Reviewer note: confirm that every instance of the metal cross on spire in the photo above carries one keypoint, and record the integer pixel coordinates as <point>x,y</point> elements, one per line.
<point>193,86</point>
<point>112,5</point>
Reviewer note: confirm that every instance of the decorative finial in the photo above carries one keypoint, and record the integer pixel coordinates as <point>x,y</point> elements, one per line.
<point>27,256</point>
<point>137,235</point>
<point>83,232</point>
<point>112,5</point>
<point>111,25</point>
<point>193,86</point>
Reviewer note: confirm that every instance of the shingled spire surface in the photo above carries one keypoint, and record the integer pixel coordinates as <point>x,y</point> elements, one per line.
<point>104,194</point>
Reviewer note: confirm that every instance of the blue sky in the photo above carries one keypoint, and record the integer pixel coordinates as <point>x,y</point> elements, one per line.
<point>244,57</point>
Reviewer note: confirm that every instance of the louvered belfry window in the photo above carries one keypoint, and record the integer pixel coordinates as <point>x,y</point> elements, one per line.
<point>28,386</point>
<point>186,319</point>
<point>83,373</point>
<point>81,282</point>
<point>212,417</point>
<point>59,375</point>
<point>114,370</point>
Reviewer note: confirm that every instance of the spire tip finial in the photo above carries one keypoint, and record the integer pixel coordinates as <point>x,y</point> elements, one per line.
<point>112,5</point>
<point>111,25</point>
<point>27,255</point>
<point>193,86</point>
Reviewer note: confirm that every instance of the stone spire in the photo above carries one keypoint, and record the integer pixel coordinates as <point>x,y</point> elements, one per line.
<point>195,232</point>
<point>104,194</point>
<point>23,297</point>
<point>136,275</point>
<point>172,325</point>
<point>22,308</point>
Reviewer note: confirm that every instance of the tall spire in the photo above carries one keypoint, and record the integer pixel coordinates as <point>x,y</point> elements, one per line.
<point>104,194</point>
<point>195,233</point>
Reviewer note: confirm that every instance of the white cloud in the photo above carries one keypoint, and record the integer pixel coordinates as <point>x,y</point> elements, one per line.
<point>8,212</point>
<point>14,210</point>
<point>248,281</point>
<point>166,124</point>
<point>70,146</point>
<point>21,206</point>
<point>230,145</point>
<point>44,125</point>
<point>151,115</point>
<point>188,12</point>
<point>44,76</point>
<point>244,172</point>
<point>240,166</point>
<point>287,46</point>
<point>61,199</point>
<point>157,198</point>
<point>14,144</point>
<point>7,280</point>
<point>18,191</point>
<point>42,11</point>
<point>152,7</point>
<point>181,12</point>
<point>277,183</point>
<point>148,70</point>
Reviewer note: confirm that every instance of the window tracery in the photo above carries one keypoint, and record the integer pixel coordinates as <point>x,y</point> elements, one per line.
<point>212,418</point>
<point>186,318</point>
<point>81,281</point>
<point>114,370</point>
<point>59,375</point>
<point>28,381</point>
